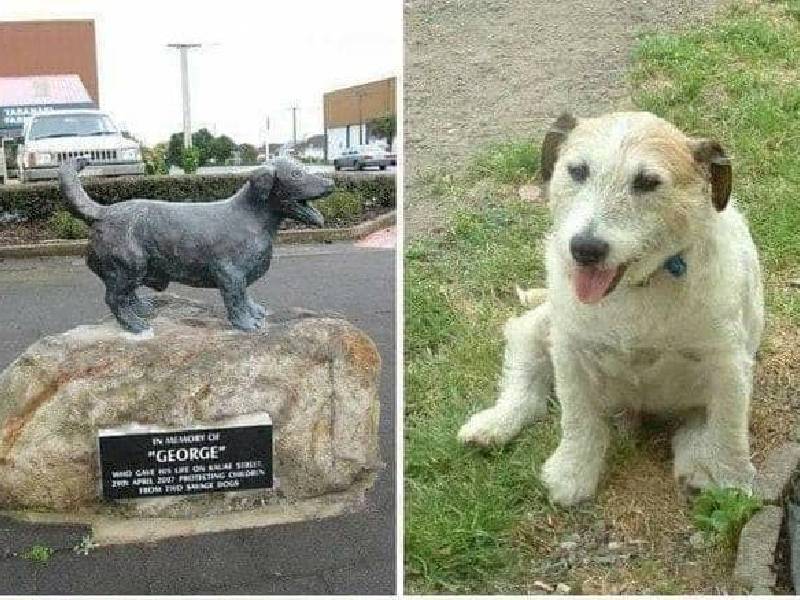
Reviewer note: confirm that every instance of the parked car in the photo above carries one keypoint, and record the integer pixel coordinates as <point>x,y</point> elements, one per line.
<point>48,139</point>
<point>360,157</point>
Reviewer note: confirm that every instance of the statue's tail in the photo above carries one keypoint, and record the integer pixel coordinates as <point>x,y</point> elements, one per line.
<point>78,202</point>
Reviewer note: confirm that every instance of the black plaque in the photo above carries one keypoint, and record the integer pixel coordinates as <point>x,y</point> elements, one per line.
<point>149,464</point>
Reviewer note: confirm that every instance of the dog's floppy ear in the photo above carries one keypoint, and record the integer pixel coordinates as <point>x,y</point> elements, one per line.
<point>552,142</point>
<point>710,155</point>
<point>261,181</point>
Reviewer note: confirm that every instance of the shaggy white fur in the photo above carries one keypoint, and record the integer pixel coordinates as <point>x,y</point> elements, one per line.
<point>654,341</point>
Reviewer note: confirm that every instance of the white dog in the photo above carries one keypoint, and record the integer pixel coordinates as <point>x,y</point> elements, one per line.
<point>654,304</point>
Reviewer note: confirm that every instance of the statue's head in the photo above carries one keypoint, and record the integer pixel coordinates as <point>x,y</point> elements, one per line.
<point>286,186</point>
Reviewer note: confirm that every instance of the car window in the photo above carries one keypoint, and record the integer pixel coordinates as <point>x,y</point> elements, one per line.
<point>50,126</point>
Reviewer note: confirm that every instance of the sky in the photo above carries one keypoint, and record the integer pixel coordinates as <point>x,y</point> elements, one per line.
<point>259,58</point>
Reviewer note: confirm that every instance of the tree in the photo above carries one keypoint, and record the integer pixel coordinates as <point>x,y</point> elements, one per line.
<point>222,148</point>
<point>203,140</point>
<point>248,153</point>
<point>385,126</point>
<point>175,149</point>
<point>208,147</point>
<point>155,159</point>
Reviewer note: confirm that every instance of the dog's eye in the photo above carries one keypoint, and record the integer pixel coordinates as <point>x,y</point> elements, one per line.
<point>646,182</point>
<point>297,174</point>
<point>578,172</point>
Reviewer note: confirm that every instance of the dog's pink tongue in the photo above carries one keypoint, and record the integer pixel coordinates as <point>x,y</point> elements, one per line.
<point>592,283</point>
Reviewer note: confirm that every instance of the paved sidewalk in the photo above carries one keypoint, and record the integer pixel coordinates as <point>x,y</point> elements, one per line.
<point>353,554</point>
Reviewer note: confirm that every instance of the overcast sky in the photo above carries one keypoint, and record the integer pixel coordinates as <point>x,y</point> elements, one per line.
<point>261,57</point>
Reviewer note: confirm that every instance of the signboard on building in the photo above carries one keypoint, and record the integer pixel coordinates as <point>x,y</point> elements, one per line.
<point>12,118</point>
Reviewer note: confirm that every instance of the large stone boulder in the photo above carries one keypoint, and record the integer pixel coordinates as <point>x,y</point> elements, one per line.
<point>316,376</point>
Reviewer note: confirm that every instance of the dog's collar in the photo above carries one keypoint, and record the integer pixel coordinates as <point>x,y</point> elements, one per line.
<point>675,265</point>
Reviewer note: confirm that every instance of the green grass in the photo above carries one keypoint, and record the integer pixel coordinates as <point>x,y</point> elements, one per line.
<point>461,503</point>
<point>38,554</point>
<point>508,162</point>
<point>723,512</point>
<point>735,80</point>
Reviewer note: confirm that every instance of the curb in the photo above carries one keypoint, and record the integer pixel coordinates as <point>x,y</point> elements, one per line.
<point>285,236</point>
<point>758,540</point>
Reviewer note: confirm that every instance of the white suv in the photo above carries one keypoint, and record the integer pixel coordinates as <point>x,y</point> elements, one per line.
<point>51,138</point>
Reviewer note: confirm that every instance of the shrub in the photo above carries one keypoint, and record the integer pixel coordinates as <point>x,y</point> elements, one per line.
<point>155,160</point>
<point>723,512</point>
<point>66,227</point>
<point>40,201</point>
<point>190,159</point>
<point>341,206</point>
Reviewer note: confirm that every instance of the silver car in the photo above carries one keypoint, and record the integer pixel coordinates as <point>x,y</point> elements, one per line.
<point>360,157</point>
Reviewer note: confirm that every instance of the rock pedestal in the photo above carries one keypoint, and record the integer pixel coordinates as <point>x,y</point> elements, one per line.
<point>316,376</point>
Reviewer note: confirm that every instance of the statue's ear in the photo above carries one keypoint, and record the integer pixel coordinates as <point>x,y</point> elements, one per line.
<point>717,167</point>
<point>552,142</point>
<point>261,181</point>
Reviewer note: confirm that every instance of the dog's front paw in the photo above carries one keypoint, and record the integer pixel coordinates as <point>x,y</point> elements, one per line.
<point>700,465</point>
<point>699,474</point>
<point>570,479</point>
<point>489,427</point>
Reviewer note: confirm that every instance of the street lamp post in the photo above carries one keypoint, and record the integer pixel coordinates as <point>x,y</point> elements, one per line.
<point>187,118</point>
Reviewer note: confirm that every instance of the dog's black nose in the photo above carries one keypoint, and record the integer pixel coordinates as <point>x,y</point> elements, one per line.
<point>587,249</point>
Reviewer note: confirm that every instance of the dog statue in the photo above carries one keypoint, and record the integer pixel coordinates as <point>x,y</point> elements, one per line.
<point>654,304</point>
<point>225,244</point>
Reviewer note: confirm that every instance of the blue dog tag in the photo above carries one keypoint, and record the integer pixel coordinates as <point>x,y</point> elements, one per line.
<point>675,265</point>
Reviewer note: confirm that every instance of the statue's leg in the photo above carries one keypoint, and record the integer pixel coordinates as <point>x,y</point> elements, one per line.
<point>232,287</point>
<point>143,306</point>
<point>122,300</point>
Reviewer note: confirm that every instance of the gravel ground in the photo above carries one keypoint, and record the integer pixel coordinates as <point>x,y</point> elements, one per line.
<point>478,71</point>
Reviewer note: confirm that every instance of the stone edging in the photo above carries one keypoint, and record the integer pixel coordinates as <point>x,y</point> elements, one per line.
<point>286,236</point>
<point>758,540</point>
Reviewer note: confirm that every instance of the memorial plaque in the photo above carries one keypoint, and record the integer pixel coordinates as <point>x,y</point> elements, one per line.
<point>146,462</point>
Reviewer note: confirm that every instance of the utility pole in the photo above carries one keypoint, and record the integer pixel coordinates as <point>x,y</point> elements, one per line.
<point>187,118</point>
<point>294,110</point>
<point>360,94</point>
<point>266,136</point>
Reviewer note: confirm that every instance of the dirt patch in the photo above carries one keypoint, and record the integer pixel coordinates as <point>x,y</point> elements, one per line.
<point>645,541</point>
<point>478,71</point>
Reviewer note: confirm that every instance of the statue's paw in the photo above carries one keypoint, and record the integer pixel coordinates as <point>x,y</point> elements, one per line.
<point>144,307</point>
<point>247,323</point>
<point>258,311</point>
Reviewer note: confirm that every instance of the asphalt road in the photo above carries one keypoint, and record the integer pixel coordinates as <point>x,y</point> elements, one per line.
<point>353,554</point>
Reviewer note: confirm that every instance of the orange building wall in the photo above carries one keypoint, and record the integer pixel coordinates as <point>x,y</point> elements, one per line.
<point>377,100</point>
<point>50,48</point>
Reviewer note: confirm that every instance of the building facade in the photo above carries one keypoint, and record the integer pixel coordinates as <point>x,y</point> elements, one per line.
<point>46,65</point>
<point>350,114</point>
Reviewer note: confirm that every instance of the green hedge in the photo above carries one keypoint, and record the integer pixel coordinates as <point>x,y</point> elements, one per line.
<point>39,201</point>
